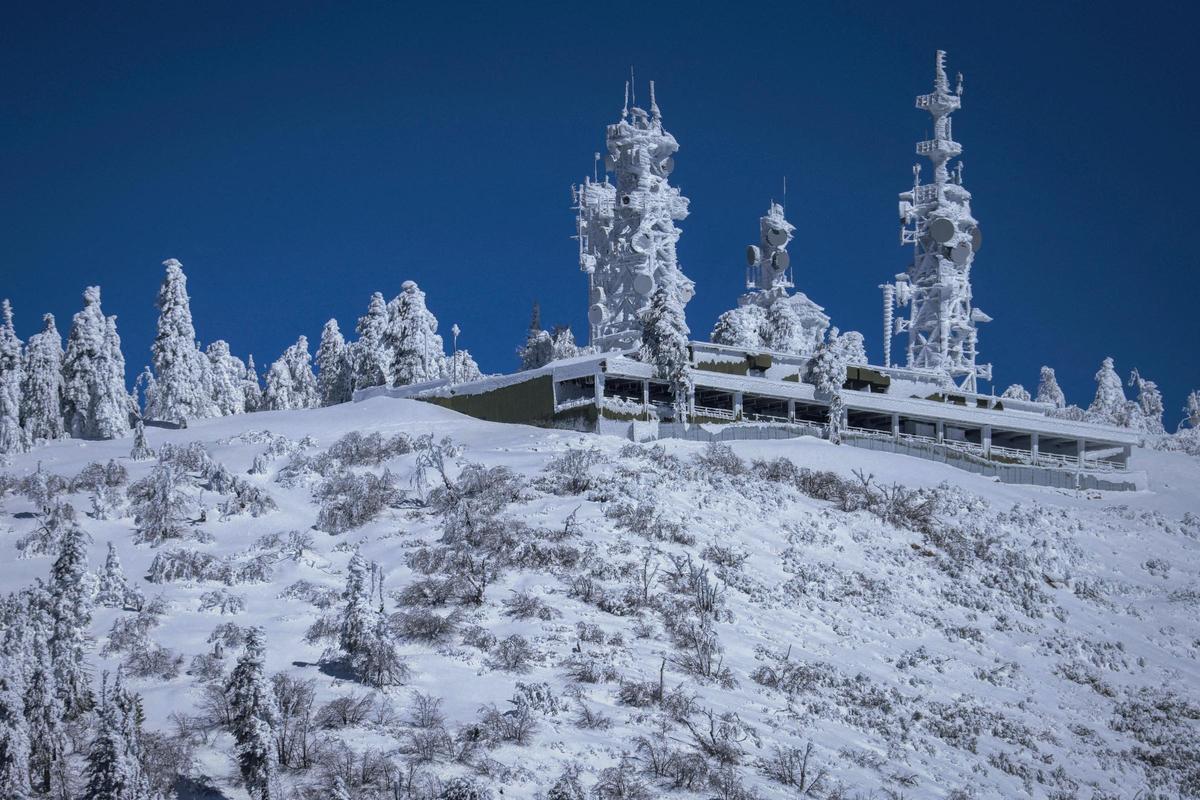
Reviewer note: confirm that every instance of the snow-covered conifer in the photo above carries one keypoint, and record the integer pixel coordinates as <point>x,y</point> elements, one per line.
<point>1192,409</point>
<point>114,590</point>
<point>1149,402</point>
<point>95,404</point>
<point>462,367</point>
<point>357,614</point>
<point>251,720</point>
<point>12,435</point>
<point>161,502</point>
<point>290,381</point>
<point>185,387</point>
<point>109,772</point>
<point>538,349</point>
<point>784,331</point>
<point>71,616</point>
<point>418,354</point>
<point>141,450</point>
<point>828,372</point>
<point>14,731</point>
<point>228,373</point>
<point>665,343</point>
<point>741,327</point>
<point>1016,392</point>
<point>563,343</point>
<point>251,388</point>
<point>371,360</point>
<point>1109,403</point>
<point>334,376</point>
<point>42,384</point>
<point>1048,390</point>
<point>43,707</point>
<point>850,346</point>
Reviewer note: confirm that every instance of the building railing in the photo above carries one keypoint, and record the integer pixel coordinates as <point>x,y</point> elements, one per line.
<point>717,413</point>
<point>995,452</point>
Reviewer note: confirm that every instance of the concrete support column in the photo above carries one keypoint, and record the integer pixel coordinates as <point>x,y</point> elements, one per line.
<point>599,386</point>
<point>985,438</point>
<point>941,431</point>
<point>646,395</point>
<point>1033,447</point>
<point>895,426</point>
<point>691,401</point>
<point>737,405</point>
<point>1128,451</point>
<point>1080,451</point>
<point>791,410</point>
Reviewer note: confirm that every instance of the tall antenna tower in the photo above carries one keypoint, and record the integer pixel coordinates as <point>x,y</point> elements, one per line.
<point>936,221</point>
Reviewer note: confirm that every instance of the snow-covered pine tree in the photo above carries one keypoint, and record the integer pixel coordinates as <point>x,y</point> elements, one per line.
<point>538,349</point>
<point>42,384</point>
<point>1109,403</point>
<point>95,404</point>
<point>108,772</point>
<point>334,375</point>
<point>130,718</point>
<point>1048,390</point>
<point>290,381</point>
<point>828,372</point>
<point>462,367</point>
<point>418,354</point>
<point>141,450</point>
<point>1016,392</point>
<point>357,614</point>
<point>185,386</point>
<point>741,327</point>
<point>1150,403</point>
<point>251,720</point>
<point>784,331</point>
<point>228,372</point>
<point>114,590</point>
<point>563,343</point>
<point>280,393</point>
<point>12,435</point>
<point>70,616</point>
<point>251,388</point>
<point>850,346</point>
<point>665,344</point>
<point>371,359</point>
<point>1192,409</point>
<point>27,629</point>
<point>14,731</point>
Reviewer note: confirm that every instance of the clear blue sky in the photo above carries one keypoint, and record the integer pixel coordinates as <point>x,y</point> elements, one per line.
<point>297,157</point>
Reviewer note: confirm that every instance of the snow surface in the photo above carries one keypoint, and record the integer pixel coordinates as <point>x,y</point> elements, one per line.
<point>928,677</point>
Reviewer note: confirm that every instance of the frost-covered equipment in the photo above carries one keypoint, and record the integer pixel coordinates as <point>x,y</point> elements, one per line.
<point>936,220</point>
<point>768,265</point>
<point>627,231</point>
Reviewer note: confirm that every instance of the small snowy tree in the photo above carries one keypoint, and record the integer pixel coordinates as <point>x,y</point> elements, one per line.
<point>741,327</point>
<point>418,354</point>
<point>110,772</point>
<point>141,450</point>
<point>95,404</point>
<point>665,344</point>
<point>1016,392</point>
<point>114,590</point>
<point>356,616</point>
<point>462,367</point>
<point>71,616</point>
<point>185,386</point>
<point>1109,403</point>
<point>827,371</point>
<point>251,388</point>
<point>371,360</point>
<point>1192,409</point>
<point>1048,390</point>
<point>563,343</point>
<point>12,435</point>
<point>14,731</point>
<point>251,720</point>
<point>538,350</point>
<point>42,384</point>
<point>850,346</point>
<point>290,382</point>
<point>334,375</point>
<point>228,373</point>
<point>1149,402</point>
<point>161,502</point>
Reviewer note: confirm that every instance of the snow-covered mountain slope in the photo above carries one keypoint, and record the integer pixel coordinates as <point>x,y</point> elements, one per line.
<point>667,621</point>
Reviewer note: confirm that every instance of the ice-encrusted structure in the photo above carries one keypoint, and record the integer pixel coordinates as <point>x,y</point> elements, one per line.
<point>937,222</point>
<point>627,230</point>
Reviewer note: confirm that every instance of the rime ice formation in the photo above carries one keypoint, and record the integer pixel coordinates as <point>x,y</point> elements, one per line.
<point>937,222</point>
<point>627,231</point>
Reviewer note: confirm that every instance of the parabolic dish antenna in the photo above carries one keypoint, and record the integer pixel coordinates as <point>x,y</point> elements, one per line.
<point>643,284</point>
<point>780,259</point>
<point>960,254</point>
<point>942,230</point>
<point>668,166</point>
<point>776,237</point>
<point>976,238</point>
<point>641,242</point>
<point>753,255</point>
<point>609,164</point>
<point>596,314</point>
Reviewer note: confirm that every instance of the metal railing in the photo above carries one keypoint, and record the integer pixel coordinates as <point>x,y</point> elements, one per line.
<point>717,413</point>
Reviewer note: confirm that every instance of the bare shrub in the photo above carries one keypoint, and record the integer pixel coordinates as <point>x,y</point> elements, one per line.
<point>621,783</point>
<point>571,472</point>
<point>523,605</point>
<point>346,712</point>
<point>512,654</point>
<point>517,725</point>
<point>792,766</point>
<point>424,625</point>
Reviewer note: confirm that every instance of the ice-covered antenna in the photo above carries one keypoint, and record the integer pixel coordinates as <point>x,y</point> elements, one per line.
<point>632,85</point>
<point>625,110</point>
<point>595,166</point>
<point>958,89</point>
<point>784,203</point>
<point>654,105</point>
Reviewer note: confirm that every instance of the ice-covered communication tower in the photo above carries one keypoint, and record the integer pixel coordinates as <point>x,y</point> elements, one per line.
<point>627,231</point>
<point>936,220</point>
<point>768,265</point>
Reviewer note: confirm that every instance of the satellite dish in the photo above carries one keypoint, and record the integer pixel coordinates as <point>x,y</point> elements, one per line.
<point>597,314</point>
<point>776,237</point>
<point>781,260</point>
<point>961,253</point>
<point>979,316</point>
<point>668,166</point>
<point>641,242</point>
<point>643,284</point>
<point>610,165</point>
<point>597,294</point>
<point>753,255</point>
<point>976,238</point>
<point>942,230</point>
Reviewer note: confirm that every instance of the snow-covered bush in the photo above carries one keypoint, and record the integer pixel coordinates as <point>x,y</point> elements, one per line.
<point>512,654</point>
<point>222,601</point>
<point>571,473</point>
<point>349,500</point>
<point>161,502</point>
<point>1016,392</point>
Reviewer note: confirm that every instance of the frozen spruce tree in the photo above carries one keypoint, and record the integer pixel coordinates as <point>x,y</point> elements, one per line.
<point>462,367</point>
<point>563,343</point>
<point>1016,392</point>
<point>1109,403</point>
<point>290,381</point>
<point>1150,404</point>
<point>71,616</point>
<point>827,372</point>
<point>95,404</point>
<point>850,346</point>
<point>418,354</point>
<point>665,343</point>
<point>228,372</point>
<point>357,614</point>
<point>42,384</point>
<point>371,360</point>
<point>334,375</point>
<point>44,714</point>
<point>185,389</point>
<point>741,327</point>
<point>1191,409</point>
<point>110,771</point>
<point>251,720</point>
<point>538,349</point>
<point>1048,390</point>
<point>114,590</point>
<point>141,450</point>
<point>12,435</point>
<point>251,388</point>
<point>14,731</point>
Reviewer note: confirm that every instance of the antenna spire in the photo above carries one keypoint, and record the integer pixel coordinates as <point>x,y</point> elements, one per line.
<point>625,110</point>
<point>633,84</point>
<point>654,105</point>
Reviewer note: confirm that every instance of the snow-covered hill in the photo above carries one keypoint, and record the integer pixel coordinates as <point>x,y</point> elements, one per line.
<point>656,621</point>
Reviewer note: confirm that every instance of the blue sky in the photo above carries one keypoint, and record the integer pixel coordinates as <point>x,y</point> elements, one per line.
<point>297,157</point>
